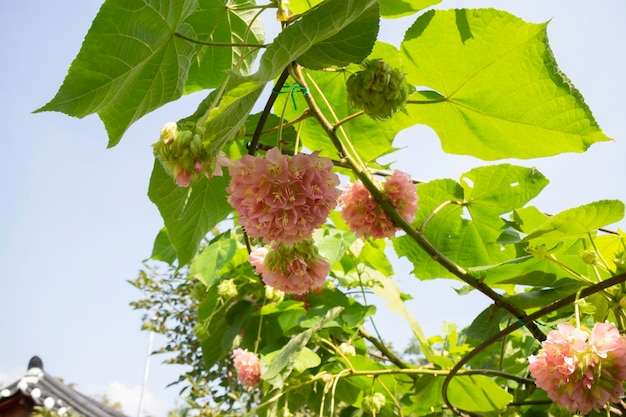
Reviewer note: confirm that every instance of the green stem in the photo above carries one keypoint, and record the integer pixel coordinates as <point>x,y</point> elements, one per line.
<point>383,349</point>
<point>435,211</point>
<point>439,100</point>
<point>361,173</point>
<point>348,118</point>
<point>266,112</point>
<point>226,44</point>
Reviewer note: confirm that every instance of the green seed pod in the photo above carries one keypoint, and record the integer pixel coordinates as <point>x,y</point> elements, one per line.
<point>379,90</point>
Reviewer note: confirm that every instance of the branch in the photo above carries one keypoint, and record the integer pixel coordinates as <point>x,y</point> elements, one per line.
<point>266,112</point>
<point>399,221</point>
<point>585,292</point>
<point>383,349</point>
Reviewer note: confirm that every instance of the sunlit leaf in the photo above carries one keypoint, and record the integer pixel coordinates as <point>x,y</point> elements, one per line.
<point>500,91</point>
<point>130,63</point>
<point>477,393</point>
<point>207,265</point>
<point>468,223</point>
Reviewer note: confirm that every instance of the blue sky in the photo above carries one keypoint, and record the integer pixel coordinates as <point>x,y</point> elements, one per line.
<point>76,221</point>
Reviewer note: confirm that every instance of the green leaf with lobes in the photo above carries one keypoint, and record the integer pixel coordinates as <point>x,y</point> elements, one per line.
<point>467,223</point>
<point>162,249</point>
<point>188,213</point>
<point>348,46</point>
<point>579,221</point>
<point>132,60</point>
<point>500,92</point>
<point>129,64</point>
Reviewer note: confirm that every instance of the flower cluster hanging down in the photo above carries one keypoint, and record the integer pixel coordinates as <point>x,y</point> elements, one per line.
<point>581,370</point>
<point>295,269</point>
<point>282,200</point>
<point>366,217</point>
<point>248,367</point>
<point>184,156</point>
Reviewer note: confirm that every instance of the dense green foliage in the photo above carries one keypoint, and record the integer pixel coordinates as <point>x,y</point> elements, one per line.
<point>484,80</point>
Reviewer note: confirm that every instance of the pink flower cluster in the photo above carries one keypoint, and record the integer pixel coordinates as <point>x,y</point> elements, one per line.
<point>248,367</point>
<point>294,269</point>
<point>581,371</point>
<point>366,217</point>
<point>282,199</point>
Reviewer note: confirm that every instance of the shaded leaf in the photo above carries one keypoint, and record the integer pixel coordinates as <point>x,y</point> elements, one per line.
<point>501,92</point>
<point>477,393</point>
<point>221,21</point>
<point>162,249</point>
<point>399,8</point>
<point>317,25</point>
<point>188,213</point>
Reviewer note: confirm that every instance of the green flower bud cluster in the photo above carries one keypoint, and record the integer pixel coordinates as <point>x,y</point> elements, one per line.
<point>379,90</point>
<point>277,259</point>
<point>227,289</point>
<point>373,403</point>
<point>183,154</point>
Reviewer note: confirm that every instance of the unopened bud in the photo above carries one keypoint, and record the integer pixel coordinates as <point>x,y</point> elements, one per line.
<point>373,403</point>
<point>227,289</point>
<point>169,131</point>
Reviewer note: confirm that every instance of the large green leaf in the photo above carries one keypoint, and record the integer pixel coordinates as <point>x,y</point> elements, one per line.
<point>228,22</point>
<point>350,45</point>
<point>468,228</point>
<point>398,8</point>
<point>499,92</point>
<point>317,25</point>
<point>130,63</point>
<point>188,213</point>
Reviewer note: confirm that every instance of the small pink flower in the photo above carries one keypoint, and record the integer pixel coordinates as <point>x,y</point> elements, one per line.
<point>366,217</point>
<point>581,371</point>
<point>293,269</point>
<point>248,367</point>
<point>282,199</point>
<point>183,179</point>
